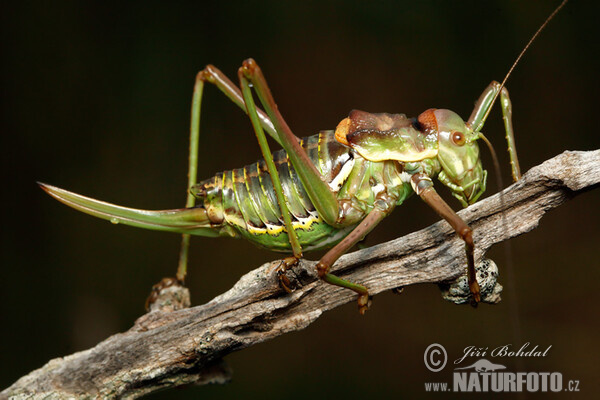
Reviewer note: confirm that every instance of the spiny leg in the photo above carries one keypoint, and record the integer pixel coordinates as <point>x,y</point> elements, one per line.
<point>319,192</point>
<point>192,172</point>
<point>190,199</point>
<point>423,186</point>
<point>268,157</point>
<point>317,189</point>
<point>510,134</point>
<point>325,263</point>
<point>212,75</point>
<point>482,106</point>
<point>482,110</point>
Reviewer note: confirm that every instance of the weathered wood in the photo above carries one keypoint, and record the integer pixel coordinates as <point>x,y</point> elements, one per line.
<point>167,349</point>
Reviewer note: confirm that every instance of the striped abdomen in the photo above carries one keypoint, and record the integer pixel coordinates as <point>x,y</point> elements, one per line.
<point>244,198</point>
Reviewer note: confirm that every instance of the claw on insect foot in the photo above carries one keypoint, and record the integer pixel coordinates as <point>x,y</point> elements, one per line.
<point>284,282</point>
<point>488,289</point>
<point>474,287</point>
<point>285,265</point>
<point>364,302</point>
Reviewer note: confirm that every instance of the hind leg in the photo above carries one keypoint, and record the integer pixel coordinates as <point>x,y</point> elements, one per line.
<point>209,74</point>
<point>324,200</point>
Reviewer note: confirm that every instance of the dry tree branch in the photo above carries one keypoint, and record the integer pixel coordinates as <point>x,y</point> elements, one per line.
<point>167,349</point>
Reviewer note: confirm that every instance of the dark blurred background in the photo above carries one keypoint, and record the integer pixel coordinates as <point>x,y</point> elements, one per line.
<point>97,98</point>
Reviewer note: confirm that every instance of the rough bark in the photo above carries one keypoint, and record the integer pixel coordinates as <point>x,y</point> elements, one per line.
<point>166,349</point>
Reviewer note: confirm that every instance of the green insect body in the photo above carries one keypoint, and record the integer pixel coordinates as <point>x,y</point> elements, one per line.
<point>329,189</point>
<point>370,161</point>
<point>244,198</point>
<point>242,202</point>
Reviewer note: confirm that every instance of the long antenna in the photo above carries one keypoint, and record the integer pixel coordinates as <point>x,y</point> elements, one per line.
<point>535,35</point>
<point>513,302</point>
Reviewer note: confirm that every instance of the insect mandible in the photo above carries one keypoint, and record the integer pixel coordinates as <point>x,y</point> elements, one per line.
<point>328,190</point>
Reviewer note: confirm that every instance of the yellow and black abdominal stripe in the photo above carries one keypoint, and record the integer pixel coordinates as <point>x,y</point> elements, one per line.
<point>244,198</point>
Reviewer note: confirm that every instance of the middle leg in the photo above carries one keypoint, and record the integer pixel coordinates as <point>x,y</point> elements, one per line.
<point>324,265</point>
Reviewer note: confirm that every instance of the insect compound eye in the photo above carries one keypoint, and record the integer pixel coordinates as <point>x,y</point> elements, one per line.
<point>458,138</point>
